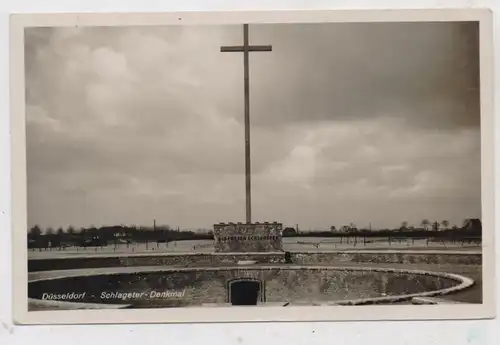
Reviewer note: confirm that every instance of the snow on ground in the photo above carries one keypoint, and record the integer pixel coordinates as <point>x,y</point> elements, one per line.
<point>293,244</point>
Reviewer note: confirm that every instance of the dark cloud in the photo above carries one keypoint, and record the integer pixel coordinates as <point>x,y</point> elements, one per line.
<point>350,123</point>
<point>368,70</point>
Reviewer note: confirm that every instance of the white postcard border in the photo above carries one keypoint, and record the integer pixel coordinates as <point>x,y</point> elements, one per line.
<point>246,314</point>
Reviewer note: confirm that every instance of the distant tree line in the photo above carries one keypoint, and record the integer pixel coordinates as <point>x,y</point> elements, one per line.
<point>102,236</point>
<point>471,228</point>
<point>122,234</point>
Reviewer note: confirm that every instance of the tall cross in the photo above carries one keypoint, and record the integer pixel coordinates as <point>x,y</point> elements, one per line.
<point>246,49</point>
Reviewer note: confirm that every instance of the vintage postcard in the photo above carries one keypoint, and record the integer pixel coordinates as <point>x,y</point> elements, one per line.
<point>252,166</point>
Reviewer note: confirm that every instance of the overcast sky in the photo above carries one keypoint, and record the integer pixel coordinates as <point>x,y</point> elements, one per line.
<point>349,122</point>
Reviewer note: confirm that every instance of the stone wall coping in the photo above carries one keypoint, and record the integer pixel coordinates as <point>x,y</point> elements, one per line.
<point>146,254</point>
<point>465,283</point>
<point>361,251</point>
<point>433,300</point>
<point>85,272</point>
<point>395,251</point>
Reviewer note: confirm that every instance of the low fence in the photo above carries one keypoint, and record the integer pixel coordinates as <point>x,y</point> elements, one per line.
<point>116,247</point>
<point>394,240</point>
<point>349,240</point>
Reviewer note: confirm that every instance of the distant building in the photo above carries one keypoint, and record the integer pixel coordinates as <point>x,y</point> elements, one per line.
<point>289,231</point>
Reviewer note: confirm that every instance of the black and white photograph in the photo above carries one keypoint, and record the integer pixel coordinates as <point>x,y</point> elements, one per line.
<point>250,166</point>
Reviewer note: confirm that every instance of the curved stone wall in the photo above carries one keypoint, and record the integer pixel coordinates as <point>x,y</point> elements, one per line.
<point>389,257</point>
<point>295,284</point>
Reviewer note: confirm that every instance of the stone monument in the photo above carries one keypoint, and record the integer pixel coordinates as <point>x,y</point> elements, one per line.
<point>247,237</point>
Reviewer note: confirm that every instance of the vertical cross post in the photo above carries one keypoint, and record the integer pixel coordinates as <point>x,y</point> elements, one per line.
<point>245,49</point>
<point>246,77</point>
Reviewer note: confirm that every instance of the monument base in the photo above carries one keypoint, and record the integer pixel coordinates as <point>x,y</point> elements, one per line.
<point>248,237</point>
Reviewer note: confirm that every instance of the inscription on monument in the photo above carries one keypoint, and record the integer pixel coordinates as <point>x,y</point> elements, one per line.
<point>250,238</point>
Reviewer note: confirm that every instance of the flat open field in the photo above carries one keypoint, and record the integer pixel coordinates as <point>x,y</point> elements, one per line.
<point>293,244</point>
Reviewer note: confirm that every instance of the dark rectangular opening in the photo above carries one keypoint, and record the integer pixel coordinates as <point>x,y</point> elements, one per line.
<point>245,292</point>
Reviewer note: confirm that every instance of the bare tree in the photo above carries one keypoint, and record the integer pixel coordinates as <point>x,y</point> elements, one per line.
<point>435,226</point>
<point>445,224</point>
<point>35,231</point>
<point>425,224</point>
<point>345,228</point>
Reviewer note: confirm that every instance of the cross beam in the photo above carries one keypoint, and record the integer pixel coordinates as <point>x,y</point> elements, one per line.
<point>245,49</point>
